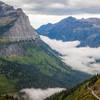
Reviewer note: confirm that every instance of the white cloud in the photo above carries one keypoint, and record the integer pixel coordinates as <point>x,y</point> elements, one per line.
<point>82,58</point>
<point>57,5</point>
<point>85,3</point>
<point>40,94</point>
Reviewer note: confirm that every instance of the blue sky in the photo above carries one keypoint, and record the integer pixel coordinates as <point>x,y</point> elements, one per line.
<point>44,11</point>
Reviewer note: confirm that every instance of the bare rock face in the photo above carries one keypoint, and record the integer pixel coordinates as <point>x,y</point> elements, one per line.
<point>15,25</point>
<point>6,10</point>
<point>11,50</point>
<point>14,28</point>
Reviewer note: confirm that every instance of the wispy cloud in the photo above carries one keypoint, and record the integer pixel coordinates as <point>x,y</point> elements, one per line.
<point>40,94</point>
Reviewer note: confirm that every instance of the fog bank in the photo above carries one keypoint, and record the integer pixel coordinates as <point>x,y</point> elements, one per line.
<point>40,94</point>
<point>84,59</point>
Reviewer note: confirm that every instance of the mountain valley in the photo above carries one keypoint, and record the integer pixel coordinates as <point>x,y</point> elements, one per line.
<point>55,58</point>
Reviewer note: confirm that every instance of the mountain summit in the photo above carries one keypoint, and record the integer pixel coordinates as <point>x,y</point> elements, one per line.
<point>14,24</point>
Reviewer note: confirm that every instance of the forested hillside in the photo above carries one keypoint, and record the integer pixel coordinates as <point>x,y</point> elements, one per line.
<point>88,90</point>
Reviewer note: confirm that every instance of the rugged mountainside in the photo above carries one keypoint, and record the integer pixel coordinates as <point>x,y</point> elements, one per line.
<point>14,24</point>
<point>87,31</point>
<point>25,60</point>
<point>89,90</point>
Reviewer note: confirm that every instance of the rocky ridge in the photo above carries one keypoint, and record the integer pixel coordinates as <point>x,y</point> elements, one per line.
<point>15,25</point>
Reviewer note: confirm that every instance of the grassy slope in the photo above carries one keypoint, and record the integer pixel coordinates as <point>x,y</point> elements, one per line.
<point>96,86</point>
<point>26,75</point>
<point>6,85</point>
<point>80,92</point>
<point>38,67</point>
<point>42,57</point>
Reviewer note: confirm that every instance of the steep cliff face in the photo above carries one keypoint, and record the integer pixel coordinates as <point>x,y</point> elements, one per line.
<point>14,27</point>
<point>14,24</point>
<point>22,30</point>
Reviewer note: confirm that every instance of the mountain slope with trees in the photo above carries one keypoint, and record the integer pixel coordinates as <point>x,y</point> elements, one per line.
<point>89,90</point>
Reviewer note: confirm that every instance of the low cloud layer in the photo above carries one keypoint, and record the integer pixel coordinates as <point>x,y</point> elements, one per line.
<point>40,94</point>
<point>61,7</point>
<point>84,59</point>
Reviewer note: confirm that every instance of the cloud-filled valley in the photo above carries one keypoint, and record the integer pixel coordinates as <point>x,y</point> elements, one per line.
<point>84,59</point>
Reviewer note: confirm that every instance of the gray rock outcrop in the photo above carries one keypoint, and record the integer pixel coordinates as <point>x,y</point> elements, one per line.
<point>16,24</point>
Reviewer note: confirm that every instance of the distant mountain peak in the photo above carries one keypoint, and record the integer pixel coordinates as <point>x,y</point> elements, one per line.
<point>49,24</point>
<point>72,29</point>
<point>70,18</point>
<point>95,21</point>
